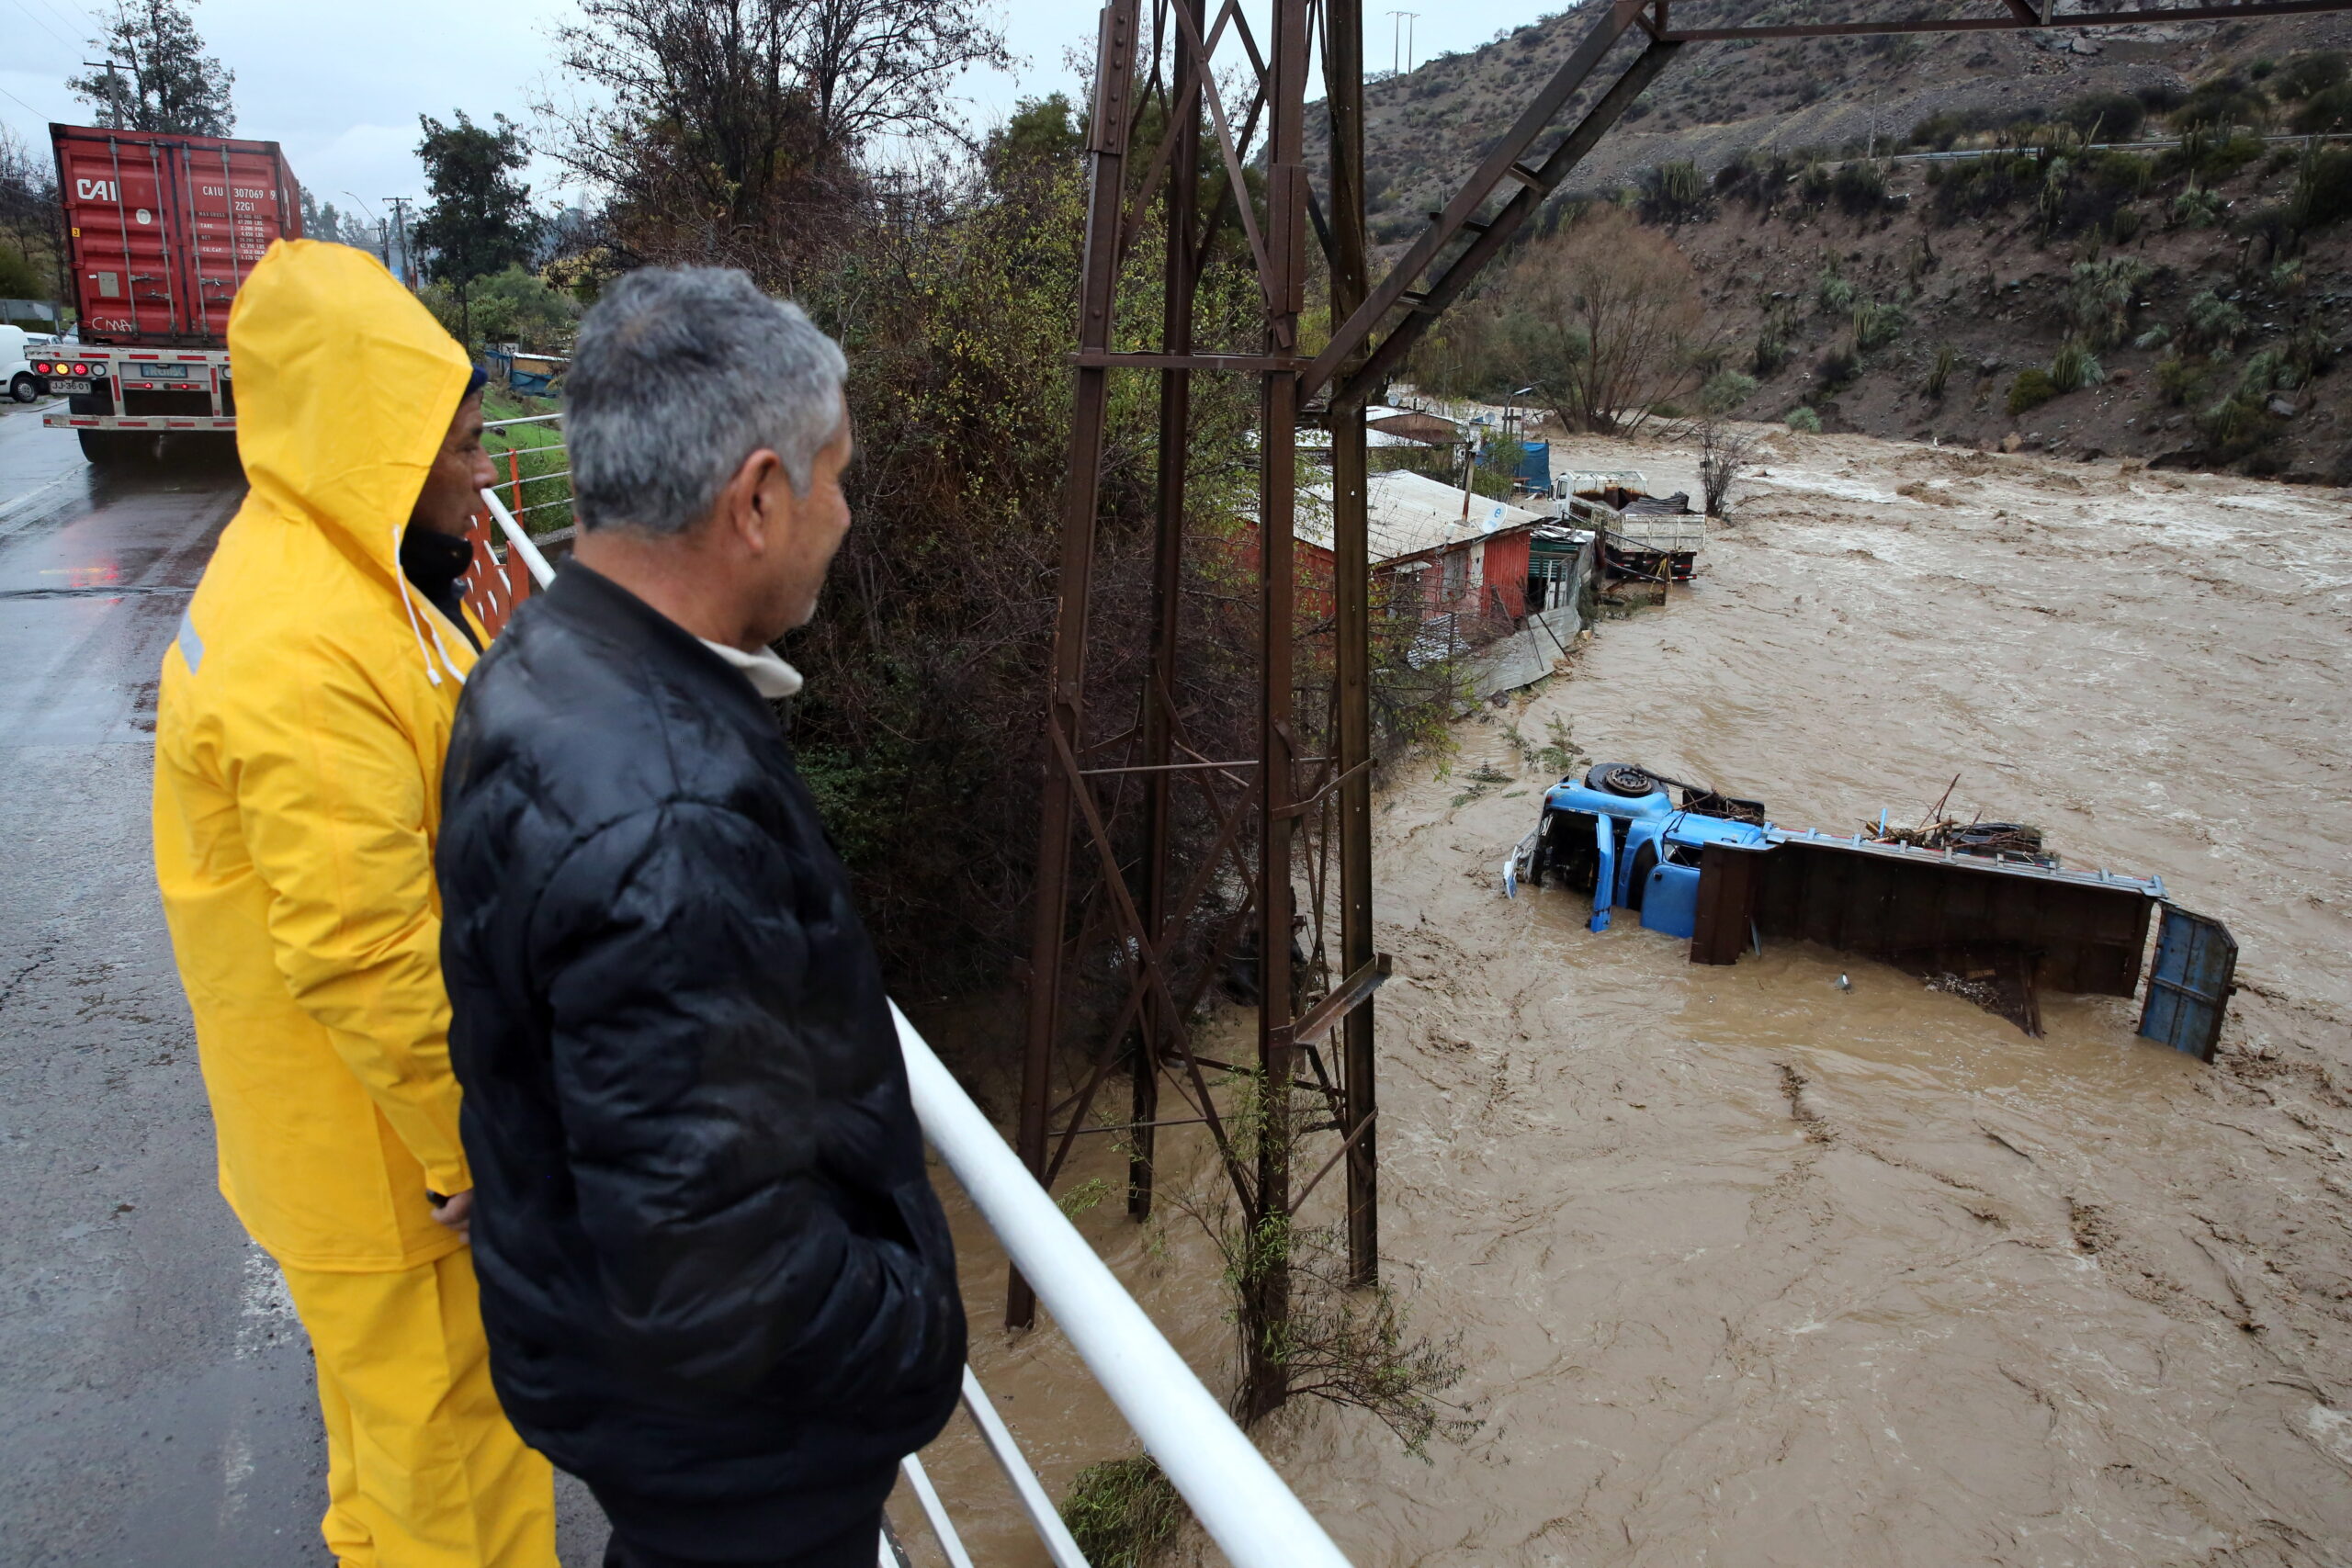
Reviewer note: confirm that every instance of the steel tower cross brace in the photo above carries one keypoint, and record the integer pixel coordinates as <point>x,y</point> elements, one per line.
<point>1154,908</point>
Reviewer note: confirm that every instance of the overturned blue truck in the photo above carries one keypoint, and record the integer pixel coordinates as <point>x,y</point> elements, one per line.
<point>1979,907</point>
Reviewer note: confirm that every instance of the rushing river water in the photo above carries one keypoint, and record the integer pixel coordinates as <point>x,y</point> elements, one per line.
<point>1753,1269</point>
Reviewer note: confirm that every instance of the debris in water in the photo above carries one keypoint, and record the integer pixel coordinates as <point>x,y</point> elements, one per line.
<point>1978,908</point>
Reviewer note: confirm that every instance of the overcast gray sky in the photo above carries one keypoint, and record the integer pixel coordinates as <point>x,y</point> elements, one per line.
<point>340,83</point>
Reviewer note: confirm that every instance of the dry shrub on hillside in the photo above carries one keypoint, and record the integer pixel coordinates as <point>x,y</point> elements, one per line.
<point>1604,317</point>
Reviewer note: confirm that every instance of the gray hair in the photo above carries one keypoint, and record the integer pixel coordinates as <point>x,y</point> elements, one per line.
<point>679,374</point>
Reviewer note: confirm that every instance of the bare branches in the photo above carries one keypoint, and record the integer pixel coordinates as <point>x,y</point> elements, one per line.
<point>1724,454</point>
<point>730,131</point>
<point>1616,306</point>
<point>883,67</point>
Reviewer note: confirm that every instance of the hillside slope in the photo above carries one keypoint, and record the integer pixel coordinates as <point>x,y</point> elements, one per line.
<point>2226,313</point>
<point>1426,128</point>
<point>1994,299</point>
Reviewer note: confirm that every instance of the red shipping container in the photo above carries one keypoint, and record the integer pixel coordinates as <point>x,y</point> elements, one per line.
<point>162,229</point>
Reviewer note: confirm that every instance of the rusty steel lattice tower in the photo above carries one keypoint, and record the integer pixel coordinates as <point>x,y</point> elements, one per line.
<point>1182,57</point>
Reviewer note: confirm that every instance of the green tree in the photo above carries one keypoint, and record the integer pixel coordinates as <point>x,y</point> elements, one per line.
<point>517,306</point>
<point>167,82</point>
<point>30,216</point>
<point>1041,133</point>
<point>320,220</point>
<point>480,220</point>
<point>18,278</point>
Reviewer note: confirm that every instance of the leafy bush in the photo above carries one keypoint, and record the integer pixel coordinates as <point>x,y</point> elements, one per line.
<point>1838,367</point>
<point>2329,109</point>
<point>2268,370</point>
<point>2209,154</point>
<point>2124,225</point>
<point>1945,131</point>
<point>2213,323</point>
<point>1859,189</point>
<point>2308,74</point>
<point>1805,418</point>
<point>2086,191</point>
<point>517,305</point>
<point>1982,187</point>
<point>1876,325</point>
<point>19,279</point>
<point>2237,427</point>
<point>2222,102</point>
<point>1674,193</point>
<point>2323,190</point>
<point>1123,1512</point>
<point>2197,208</point>
<point>1772,345</point>
<point>1836,292</point>
<point>1725,390</point>
<point>2105,117</point>
<point>1758,180</point>
<point>1813,186</point>
<point>2075,367</point>
<point>2180,379</point>
<point>2243,422</point>
<point>2154,338</point>
<point>2101,296</point>
<point>2032,388</point>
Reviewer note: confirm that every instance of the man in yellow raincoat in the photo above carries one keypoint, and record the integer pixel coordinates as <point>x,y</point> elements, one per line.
<point>305,708</point>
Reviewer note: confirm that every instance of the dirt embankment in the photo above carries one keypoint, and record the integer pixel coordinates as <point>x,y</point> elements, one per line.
<point>1752,1269</point>
<point>2001,297</point>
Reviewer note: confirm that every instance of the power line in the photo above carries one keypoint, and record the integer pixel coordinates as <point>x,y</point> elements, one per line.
<point>78,11</point>
<point>41,25</point>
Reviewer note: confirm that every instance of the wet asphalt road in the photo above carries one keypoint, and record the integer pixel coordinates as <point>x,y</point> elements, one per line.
<point>156,1401</point>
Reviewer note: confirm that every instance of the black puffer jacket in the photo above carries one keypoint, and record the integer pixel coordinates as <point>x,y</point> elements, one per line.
<point>712,1267</point>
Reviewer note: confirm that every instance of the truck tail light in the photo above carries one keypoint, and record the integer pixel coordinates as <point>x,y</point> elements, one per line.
<point>81,370</point>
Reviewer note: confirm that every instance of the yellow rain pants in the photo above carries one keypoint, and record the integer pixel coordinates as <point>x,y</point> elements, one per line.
<point>302,723</point>
<point>422,1471</point>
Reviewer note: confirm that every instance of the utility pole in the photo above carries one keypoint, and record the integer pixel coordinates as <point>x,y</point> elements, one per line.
<point>407,274</point>
<point>1400,31</point>
<point>114,68</point>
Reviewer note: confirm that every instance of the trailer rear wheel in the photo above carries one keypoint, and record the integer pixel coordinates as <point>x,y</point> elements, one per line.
<point>112,448</point>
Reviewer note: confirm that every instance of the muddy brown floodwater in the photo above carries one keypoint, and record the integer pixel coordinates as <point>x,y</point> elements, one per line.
<point>1751,1269</point>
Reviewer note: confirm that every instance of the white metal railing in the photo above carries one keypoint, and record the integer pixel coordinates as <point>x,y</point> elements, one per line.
<point>1254,1517</point>
<point>517,540</point>
<point>1248,1510</point>
<point>518,480</point>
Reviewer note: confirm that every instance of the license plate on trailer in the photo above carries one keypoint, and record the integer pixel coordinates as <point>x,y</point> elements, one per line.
<point>68,383</point>
<point>154,372</point>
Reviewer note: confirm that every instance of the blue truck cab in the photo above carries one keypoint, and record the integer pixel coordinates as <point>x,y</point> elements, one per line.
<point>1619,835</point>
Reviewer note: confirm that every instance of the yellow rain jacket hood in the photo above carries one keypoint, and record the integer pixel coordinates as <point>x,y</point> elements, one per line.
<point>305,713</point>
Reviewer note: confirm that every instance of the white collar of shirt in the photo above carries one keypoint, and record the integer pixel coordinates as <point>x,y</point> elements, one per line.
<point>770,676</point>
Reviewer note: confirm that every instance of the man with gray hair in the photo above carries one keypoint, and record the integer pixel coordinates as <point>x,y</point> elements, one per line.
<point>716,1283</point>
